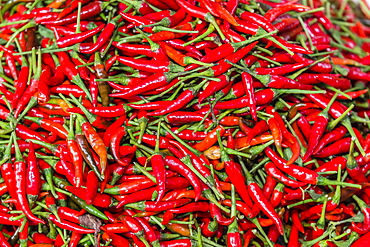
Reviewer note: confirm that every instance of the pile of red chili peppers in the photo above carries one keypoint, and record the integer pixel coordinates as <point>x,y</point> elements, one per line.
<point>184,123</point>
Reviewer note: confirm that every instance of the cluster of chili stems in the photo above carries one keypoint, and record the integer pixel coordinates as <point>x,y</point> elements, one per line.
<point>184,123</point>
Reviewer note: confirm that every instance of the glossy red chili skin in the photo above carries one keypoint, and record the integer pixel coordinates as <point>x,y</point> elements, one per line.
<point>160,174</point>
<point>77,38</point>
<point>234,239</point>
<point>177,243</point>
<point>341,146</point>
<point>70,226</point>
<point>87,11</point>
<point>182,117</point>
<point>332,136</point>
<point>300,173</point>
<point>179,167</point>
<point>20,190</point>
<point>272,170</point>
<point>234,171</point>
<point>32,174</point>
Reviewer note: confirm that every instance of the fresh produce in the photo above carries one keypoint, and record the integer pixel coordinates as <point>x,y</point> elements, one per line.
<point>184,123</point>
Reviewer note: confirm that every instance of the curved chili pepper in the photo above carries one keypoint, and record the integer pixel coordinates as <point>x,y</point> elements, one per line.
<point>110,130</point>
<point>78,37</point>
<point>71,72</point>
<point>257,195</point>
<point>70,226</point>
<point>91,187</point>
<point>20,185</point>
<point>210,139</point>
<point>147,194</point>
<point>179,167</point>
<point>236,177</point>
<point>49,125</point>
<point>116,240</point>
<point>318,129</point>
<point>332,165</point>
<point>20,83</point>
<point>213,87</point>
<point>178,242</point>
<point>209,227</point>
<point>30,91</point>
<point>275,12</point>
<point>216,213</point>
<point>142,50</point>
<point>184,98</point>
<point>153,82</point>
<point>259,128</point>
<point>115,141</point>
<point>86,151</point>
<point>332,136</point>
<point>272,170</point>
<point>341,146</point>
<point>96,143</point>
<point>87,11</point>
<point>353,168</point>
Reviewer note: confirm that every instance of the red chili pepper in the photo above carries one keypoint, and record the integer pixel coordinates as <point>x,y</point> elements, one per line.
<point>198,13</point>
<point>234,172</point>
<point>153,82</point>
<point>91,187</point>
<point>332,136</point>
<point>30,91</point>
<point>146,50</point>
<point>129,187</point>
<point>70,226</point>
<point>178,243</point>
<point>20,185</point>
<point>257,195</point>
<point>332,165</point>
<point>282,70</point>
<point>33,183</point>
<point>338,147</point>
<point>183,117</point>
<point>116,240</point>
<point>216,213</point>
<point>365,210</point>
<point>160,173</point>
<point>177,166</point>
<point>182,100</point>
<point>87,11</point>
<point>210,139</point>
<point>146,194</point>
<point>150,65</point>
<point>71,72</point>
<point>259,20</point>
<point>318,129</point>
<point>96,143</point>
<point>275,12</point>
<point>300,173</point>
<point>273,171</point>
<point>269,186</point>
<point>49,125</point>
<point>353,168</point>
<point>160,206</point>
<point>115,141</point>
<point>78,37</point>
